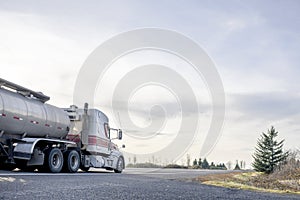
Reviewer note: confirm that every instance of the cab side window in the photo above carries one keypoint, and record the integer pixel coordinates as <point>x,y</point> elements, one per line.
<point>107,130</point>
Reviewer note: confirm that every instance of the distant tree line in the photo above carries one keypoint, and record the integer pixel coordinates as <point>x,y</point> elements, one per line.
<point>143,165</point>
<point>204,164</point>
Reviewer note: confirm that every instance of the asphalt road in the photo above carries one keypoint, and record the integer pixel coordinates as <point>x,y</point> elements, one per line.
<point>132,184</point>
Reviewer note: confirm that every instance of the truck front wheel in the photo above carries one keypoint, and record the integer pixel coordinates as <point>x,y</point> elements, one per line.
<point>54,160</point>
<point>120,165</point>
<point>72,161</point>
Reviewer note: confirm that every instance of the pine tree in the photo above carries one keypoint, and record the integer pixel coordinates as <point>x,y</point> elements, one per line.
<point>223,165</point>
<point>200,162</point>
<point>237,167</point>
<point>268,152</point>
<point>205,164</point>
<point>195,162</point>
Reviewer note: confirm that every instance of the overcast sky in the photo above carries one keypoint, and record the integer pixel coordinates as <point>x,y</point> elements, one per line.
<point>255,46</point>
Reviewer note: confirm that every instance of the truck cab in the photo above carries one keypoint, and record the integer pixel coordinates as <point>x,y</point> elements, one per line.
<point>91,132</point>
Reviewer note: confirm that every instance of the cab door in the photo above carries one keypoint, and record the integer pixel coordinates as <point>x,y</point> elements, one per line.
<point>107,141</point>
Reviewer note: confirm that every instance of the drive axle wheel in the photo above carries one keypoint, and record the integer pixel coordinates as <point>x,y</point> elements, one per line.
<point>72,161</point>
<point>54,160</point>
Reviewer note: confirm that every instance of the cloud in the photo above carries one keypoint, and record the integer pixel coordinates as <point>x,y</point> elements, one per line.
<point>268,106</point>
<point>234,24</point>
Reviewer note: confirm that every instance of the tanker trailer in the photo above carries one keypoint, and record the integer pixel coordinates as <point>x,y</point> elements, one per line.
<point>34,135</point>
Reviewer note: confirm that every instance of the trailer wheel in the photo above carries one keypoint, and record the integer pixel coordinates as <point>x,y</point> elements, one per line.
<point>120,165</point>
<point>54,160</point>
<point>72,161</point>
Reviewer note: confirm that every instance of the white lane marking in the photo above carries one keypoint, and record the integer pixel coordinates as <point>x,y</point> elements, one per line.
<point>7,179</point>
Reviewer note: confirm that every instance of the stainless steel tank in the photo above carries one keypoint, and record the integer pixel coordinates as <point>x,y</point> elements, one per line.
<point>20,114</point>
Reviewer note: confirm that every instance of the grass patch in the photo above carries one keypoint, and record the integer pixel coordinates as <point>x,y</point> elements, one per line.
<point>252,181</point>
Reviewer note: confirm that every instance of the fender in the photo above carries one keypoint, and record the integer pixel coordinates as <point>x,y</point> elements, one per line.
<point>24,148</point>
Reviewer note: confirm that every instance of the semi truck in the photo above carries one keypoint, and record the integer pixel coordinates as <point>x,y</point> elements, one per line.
<point>35,135</point>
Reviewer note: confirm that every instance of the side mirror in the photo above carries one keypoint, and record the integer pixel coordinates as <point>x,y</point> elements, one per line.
<point>120,134</point>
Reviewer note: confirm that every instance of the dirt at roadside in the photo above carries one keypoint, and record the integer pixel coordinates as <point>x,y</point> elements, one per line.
<point>254,181</point>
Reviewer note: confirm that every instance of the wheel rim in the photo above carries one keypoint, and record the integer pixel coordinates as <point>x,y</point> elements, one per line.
<point>120,164</point>
<point>74,161</point>
<point>56,160</point>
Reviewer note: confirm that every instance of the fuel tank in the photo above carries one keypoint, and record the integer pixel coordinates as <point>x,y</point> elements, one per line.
<point>21,114</point>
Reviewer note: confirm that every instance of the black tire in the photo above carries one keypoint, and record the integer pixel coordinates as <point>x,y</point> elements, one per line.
<point>120,165</point>
<point>54,160</point>
<point>71,161</point>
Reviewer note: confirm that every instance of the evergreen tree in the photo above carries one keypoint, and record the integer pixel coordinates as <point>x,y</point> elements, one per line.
<point>205,164</point>
<point>268,152</point>
<point>195,162</point>
<point>237,167</point>
<point>200,162</point>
